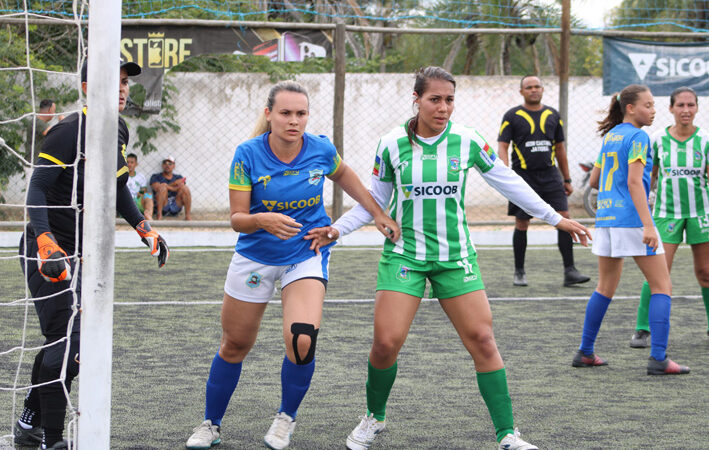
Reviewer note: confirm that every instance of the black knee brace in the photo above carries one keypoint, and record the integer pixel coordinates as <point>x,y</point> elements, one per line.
<point>308,329</point>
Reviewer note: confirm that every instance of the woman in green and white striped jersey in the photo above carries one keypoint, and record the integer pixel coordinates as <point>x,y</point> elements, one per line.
<point>422,167</point>
<point>680,165</point>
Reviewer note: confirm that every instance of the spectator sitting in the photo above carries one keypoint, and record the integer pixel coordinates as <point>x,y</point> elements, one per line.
<point>171,192</point>
<point>138,186</point>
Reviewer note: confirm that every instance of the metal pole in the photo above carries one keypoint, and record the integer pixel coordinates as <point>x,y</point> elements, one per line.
<point>99,225</point>
<point>564,61</point>
<point>339,111</point>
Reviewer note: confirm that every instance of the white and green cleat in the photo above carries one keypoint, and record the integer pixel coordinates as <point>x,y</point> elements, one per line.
<point>362,437</point>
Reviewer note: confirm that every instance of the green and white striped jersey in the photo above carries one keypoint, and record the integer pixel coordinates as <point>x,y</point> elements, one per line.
<point>429,189</point>
<point>682,174</point>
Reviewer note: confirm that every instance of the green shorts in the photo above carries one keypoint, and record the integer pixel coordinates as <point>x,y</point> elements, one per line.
<point>139,203</point>
<point>448,278</point>
<point>671,230</point>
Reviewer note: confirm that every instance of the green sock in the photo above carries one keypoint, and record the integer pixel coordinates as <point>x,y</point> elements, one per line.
<point>493,388</point>
<point>705,297</point>
<point>379,383</point>
<point>644,308</point>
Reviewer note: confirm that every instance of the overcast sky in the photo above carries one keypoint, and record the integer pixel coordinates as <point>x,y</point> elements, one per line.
<point>593,12</point>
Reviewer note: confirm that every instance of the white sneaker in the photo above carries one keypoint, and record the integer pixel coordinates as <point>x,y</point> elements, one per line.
<point>204,436</point>
<point>515,442</point>
<point>364,434</point>
<point>278,436</point>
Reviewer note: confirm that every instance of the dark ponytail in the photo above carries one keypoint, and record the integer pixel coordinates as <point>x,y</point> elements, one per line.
<point>420,85</point>
<point>616,110</point>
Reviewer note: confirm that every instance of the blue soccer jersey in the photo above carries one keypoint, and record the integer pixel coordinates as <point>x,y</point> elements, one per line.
<point>294,189</point>
<point>622,145</point>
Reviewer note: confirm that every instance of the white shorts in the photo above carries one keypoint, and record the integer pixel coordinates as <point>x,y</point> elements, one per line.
<point>254,282</point>
<point>616,242</point>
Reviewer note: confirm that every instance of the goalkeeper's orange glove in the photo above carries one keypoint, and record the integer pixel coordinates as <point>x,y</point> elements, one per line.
<point>50,259</point>
<point>155,242</point>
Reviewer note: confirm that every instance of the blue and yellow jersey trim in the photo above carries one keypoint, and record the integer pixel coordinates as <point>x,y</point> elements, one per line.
<point>238,179</point>
<point>638,151</point>
<point>337,159</point>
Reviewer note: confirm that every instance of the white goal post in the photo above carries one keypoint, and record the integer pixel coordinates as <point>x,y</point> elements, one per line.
<point>99,225</point>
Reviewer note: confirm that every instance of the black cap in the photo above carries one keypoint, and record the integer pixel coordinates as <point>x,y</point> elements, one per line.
<point>132,69</point>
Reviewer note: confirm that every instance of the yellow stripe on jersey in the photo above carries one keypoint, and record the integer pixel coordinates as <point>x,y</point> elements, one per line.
<point>121,171</point>
<point>522,162</point>
<point>502,127</point>
<point>553,153</point>
<point>543,120</point>
<point>53,159</point>
<point>528,118</point>
<point>236,187</point>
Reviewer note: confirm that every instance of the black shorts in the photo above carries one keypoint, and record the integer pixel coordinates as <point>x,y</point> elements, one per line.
<point>548,185</point>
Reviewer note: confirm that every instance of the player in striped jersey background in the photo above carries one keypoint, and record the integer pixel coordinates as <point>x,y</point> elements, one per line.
<point>680,163</point>
<point>422,168</point>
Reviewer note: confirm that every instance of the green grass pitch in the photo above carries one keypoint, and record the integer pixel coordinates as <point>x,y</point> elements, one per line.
<point>162,354</point>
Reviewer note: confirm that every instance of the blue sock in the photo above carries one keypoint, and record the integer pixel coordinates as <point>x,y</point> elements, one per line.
<point>223,377</point>
<point>295,382</point>
<point>659,318</point>
<point>595,310</point>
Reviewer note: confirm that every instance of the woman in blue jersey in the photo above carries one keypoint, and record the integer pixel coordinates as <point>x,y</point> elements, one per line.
<point>276,197</point>
<point>422,167</point>
<point>624,227</point>
<point>680,158</point>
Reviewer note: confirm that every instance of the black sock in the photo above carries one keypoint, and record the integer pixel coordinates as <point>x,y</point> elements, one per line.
<point>566,248</point>
<point>519,244</point>
<point>52,436</point>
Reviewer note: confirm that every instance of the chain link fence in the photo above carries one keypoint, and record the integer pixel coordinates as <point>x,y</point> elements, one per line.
<point>217,111</point>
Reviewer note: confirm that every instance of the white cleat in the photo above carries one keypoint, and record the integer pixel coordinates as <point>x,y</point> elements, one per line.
<point>364,434</point>
<point>278,436</point>
<point>204,436</point>
<point>515,442</point>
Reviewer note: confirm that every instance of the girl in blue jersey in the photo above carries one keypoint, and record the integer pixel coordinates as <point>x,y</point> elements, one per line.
<point>276,197</point>
<point>624,226</point>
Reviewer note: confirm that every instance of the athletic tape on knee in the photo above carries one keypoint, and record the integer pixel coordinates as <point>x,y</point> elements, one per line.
<point>297,329</point>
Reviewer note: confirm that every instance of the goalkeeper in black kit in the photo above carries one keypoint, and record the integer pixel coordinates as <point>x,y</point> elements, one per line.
<point>50,251</point>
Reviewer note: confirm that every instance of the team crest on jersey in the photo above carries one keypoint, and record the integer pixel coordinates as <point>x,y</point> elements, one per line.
<point>697,156</point>
<point>254,280</point>
<point>265,179</point>
<point>403,273</point>
<point>454,164</point>
<point>315,177</point>
<point>407,190</point>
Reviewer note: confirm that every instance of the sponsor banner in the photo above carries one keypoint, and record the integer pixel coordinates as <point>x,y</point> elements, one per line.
<point>159,48</point>
<point>661,66</point>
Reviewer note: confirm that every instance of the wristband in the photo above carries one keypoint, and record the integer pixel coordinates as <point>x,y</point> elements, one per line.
<point>568,180</point>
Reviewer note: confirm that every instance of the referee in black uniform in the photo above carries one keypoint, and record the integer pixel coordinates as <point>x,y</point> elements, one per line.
<point>50,251</point>
<point>538,154</point>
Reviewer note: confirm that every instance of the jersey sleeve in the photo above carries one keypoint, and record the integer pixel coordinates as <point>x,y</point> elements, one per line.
<point>239,175</point>
<point>335,160</point>
<point>383,169</point>
<point>505,133</point>
<point>559,133</point>
<point>637,147</point>
<point>598,161</point>
<point>482,156</point>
